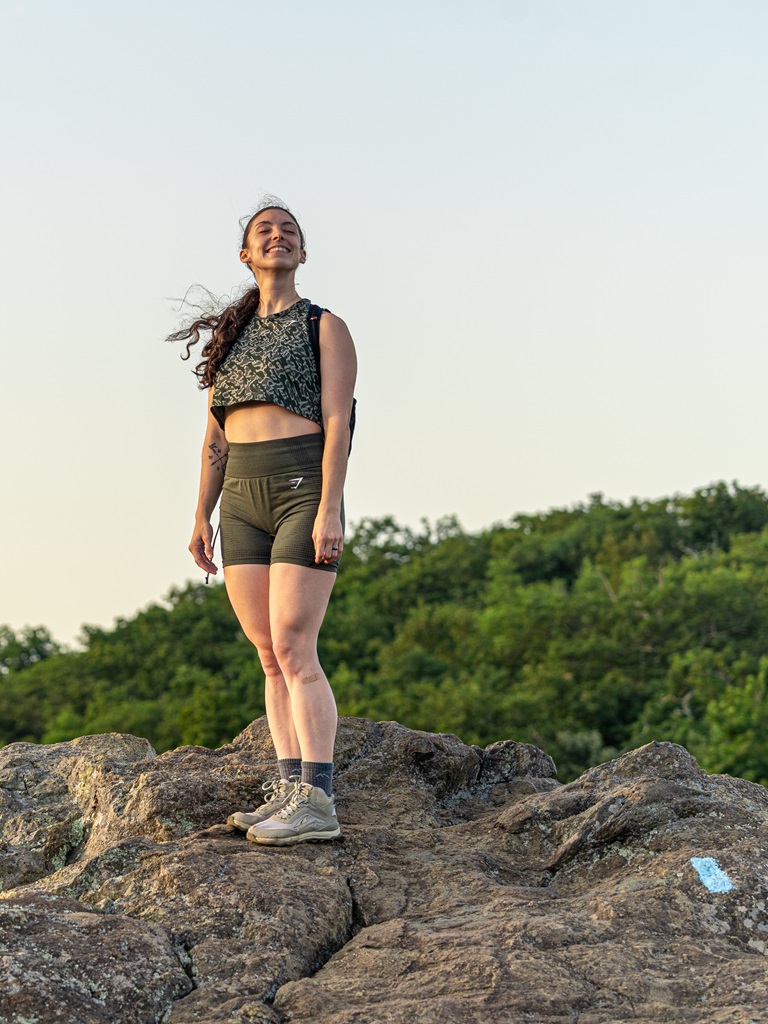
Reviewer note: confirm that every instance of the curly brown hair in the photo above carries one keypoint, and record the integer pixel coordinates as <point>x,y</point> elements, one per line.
<point>228,323</point>
<point>224,326</point>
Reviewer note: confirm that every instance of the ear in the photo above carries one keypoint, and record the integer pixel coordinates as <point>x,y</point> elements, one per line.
<point>303,257</point>
<point>243,255</point>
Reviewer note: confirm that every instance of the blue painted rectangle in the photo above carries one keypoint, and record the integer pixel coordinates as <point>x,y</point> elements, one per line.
<point>711,874</point>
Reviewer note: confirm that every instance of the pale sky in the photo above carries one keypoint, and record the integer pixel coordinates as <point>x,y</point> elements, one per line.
<point>544,222</point>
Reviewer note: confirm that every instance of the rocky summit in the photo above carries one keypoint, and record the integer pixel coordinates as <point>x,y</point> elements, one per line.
<point>468,886</point>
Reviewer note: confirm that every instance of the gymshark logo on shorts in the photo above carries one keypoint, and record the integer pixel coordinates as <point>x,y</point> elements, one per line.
<point>295,481</point>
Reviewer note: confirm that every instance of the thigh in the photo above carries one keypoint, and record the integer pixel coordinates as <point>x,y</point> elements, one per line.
<point>298,599</point>
<point>244,540</point>
<point>248,589</point>
<point>293,541</point>
<point>295,503</point>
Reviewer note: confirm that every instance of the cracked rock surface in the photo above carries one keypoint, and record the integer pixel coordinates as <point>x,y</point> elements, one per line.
<point>468,886</point>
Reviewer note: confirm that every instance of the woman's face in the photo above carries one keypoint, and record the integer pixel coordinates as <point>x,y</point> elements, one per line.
<point>273,242</point>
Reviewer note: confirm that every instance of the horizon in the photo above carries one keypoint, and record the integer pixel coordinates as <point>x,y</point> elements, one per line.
<point>75,643</point>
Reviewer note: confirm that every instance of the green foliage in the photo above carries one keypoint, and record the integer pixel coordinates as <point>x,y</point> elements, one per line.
<point>586,631</point>
<point>32,644</point>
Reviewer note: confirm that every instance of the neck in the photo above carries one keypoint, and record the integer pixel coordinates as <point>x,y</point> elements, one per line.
<point>276,293</point>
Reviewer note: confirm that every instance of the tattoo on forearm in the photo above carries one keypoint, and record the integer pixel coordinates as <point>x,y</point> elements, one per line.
<point>217,458</point>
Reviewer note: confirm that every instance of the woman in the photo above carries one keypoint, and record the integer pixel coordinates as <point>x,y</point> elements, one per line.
<point>276,443</point>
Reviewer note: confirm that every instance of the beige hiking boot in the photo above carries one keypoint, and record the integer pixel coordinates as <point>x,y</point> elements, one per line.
<point>280,792</point>
<point>309,814</point>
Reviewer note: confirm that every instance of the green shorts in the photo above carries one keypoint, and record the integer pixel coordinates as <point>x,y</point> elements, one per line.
<point>270,500</point>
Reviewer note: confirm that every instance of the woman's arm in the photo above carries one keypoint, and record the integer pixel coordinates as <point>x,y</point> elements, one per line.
<point>338,364</point>
<point>214,461</point>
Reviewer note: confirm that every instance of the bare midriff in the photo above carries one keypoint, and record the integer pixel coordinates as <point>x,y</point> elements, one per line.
<point>263,421</point>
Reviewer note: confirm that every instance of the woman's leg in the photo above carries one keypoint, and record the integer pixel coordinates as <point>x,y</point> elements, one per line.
<point>248,589</point>
<point>298,598</point>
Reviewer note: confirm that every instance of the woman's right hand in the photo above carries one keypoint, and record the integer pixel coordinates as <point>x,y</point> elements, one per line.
<point>201,546</point>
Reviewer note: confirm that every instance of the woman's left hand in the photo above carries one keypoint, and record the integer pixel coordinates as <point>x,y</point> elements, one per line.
<point>328,537</point>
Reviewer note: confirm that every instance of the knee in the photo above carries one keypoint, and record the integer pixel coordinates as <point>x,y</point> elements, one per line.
<point>266,653</point>
<point>288,649</point>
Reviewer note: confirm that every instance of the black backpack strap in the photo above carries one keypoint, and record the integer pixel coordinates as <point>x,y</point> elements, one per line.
<point>313,329</point>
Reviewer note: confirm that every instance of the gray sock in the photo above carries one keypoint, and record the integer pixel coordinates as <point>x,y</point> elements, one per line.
<point>318,774</point>
<point>289,767</point>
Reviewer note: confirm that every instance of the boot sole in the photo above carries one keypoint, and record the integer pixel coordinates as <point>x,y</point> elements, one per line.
<point>303,837</point>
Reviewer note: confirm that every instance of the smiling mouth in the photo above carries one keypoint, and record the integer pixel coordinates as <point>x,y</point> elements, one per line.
<point>278,248</point>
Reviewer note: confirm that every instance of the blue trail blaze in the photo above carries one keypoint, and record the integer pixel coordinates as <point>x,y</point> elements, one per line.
<point>711,874</point>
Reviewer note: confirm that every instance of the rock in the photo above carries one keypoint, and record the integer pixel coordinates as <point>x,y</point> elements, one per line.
<point>468,886</point>
<point>62,962</point>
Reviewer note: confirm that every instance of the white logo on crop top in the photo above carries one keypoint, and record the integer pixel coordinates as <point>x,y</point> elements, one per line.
<point>295,481</point>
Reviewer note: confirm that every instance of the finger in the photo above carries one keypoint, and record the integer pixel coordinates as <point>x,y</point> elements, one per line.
<point>202,558</point>
<point>207,543</point>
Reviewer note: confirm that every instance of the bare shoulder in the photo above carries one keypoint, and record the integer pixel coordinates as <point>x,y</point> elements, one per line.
<point>334,332</point>
<point>332,322</point>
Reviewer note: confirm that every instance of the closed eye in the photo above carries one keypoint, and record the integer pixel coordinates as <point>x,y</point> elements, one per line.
<point>265,228</point>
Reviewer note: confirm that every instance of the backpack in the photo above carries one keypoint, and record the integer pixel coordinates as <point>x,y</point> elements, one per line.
<point>313,329</point>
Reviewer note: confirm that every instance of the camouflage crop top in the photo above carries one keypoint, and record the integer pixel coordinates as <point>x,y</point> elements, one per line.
<point>271,361</point>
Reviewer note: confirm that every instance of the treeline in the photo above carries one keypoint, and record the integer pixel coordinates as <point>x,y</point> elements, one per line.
<point>586,631</point>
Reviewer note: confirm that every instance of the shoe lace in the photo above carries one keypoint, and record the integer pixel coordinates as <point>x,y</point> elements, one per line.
<point>300,795</point>
<point>275,788</point>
